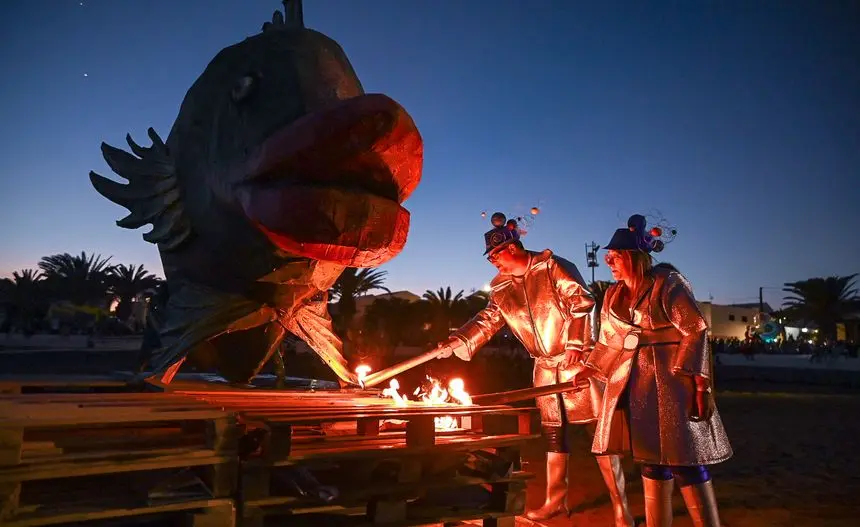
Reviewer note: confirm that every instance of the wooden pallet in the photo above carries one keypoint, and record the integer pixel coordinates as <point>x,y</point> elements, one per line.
<point>17,384</point>
<point>302,448</point>
<point>74,457</point>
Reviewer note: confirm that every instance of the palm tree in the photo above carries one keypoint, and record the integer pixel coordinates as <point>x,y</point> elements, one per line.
<point>79,279</point>
<point>598,290</point>
<point>470,306</point>
<point>23,296</point>
<point>351,284</point>
<point>126,282</point>
<point>824,301</point>
<point>443,306</point>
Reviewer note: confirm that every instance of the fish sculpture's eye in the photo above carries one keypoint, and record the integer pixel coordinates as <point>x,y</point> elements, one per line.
<point>243,87</point>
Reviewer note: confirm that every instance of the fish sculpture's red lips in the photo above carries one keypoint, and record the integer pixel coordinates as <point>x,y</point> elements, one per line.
<point>329,186</point>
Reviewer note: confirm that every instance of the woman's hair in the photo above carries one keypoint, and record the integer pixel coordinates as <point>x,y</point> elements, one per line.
<point>640,263</point>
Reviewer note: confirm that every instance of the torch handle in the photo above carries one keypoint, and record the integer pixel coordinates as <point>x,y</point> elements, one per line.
<point>529,393</point>
<point>383,375</point>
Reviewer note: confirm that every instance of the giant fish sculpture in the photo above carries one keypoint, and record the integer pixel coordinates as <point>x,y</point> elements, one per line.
<point>279,172</point>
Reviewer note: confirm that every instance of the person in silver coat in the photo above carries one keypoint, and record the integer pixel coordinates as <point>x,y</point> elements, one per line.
<point>652,352</point>
<point>545,303</point>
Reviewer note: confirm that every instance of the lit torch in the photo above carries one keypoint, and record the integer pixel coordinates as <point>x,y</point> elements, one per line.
<point>362,370</point>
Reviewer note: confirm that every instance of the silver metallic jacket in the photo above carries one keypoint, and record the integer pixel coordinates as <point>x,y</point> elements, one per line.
<point>654,351</point>
<point>549,309</point>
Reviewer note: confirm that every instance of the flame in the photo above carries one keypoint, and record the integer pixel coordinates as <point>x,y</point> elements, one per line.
<point>362,370</point>
<point>433,394</point>
<point>457,389</point>
<point>392,392</point>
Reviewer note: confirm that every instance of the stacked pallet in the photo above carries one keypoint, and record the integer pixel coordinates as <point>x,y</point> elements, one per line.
<point>17,384</point>
<point>67,458</point>
<point>341,458</point>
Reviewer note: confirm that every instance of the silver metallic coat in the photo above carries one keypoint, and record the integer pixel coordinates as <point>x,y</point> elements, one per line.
<point>549,309</point>
<point>654,351</point>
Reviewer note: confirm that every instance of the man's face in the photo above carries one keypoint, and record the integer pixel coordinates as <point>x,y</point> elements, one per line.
<point>503,258</point>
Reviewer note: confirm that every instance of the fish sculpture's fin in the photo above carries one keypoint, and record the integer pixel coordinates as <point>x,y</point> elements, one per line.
<point>152,194</point>
<point>291,18</point>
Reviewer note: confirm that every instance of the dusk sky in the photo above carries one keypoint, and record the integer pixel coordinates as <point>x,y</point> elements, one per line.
<point>738,121</point>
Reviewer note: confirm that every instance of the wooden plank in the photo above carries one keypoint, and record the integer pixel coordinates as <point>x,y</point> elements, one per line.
<point>278,442</point>
<point>367,427</point>
<point>296,503</point>
<point>381,413</point>
<point>94,397</point>
<point>223,515</point>
<point>386,511</point>
<point>222,436</point>
<point>334,516</point>
<point>7,380</point>
<point>10,494</point>
<point>508,497</point>
<point>11,446</point>
<point>52,442</point>
<point>88,514</point>
<point>121,462</point>
<point>73,418</point>
<point>280,393</point>
<point>131,405</point>
<point>315,452</point>
<point>421,432</point>
<point>506,521</point>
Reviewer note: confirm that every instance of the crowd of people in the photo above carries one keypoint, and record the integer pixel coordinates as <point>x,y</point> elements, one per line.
<point>817,352</point>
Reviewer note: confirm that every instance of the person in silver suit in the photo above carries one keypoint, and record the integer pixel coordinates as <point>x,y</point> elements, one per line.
<point>546,304</point>
<point>652,352</point>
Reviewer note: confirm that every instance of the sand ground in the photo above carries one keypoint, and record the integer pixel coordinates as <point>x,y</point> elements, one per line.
<point>795,464</point>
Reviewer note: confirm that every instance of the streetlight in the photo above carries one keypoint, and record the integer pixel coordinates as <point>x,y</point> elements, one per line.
<point>591,257</point>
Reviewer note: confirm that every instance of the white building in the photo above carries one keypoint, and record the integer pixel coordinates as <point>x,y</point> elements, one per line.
<point>730,321</point>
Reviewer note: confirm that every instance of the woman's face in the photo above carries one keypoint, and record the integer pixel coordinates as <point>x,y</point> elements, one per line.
<point>620,264</point>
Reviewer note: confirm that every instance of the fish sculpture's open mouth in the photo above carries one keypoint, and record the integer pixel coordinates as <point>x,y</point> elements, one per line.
<point>329,185</point>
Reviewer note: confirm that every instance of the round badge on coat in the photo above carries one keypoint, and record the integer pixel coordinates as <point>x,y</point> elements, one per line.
<point>631,341</point>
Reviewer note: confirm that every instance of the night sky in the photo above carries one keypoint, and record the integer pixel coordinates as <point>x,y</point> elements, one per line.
<point>739,122</point>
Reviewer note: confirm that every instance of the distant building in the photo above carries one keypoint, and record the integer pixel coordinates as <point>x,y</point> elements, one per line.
<point>731,321</point>
<point>765,307</point>
<point>849,328</point>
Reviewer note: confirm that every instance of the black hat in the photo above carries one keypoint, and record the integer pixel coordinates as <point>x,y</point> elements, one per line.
<point>634,237</point>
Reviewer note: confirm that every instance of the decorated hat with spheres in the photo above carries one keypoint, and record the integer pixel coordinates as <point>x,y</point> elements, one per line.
<point>636,238</point>
<point>504,231</point>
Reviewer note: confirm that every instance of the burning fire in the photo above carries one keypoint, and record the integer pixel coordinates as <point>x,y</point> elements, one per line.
<point>362,370</point>
<point>433,394</point>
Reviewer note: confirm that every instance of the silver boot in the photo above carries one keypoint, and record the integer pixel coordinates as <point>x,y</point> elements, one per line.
<point>658,501</point>
<point>556,488</point>
<point>613,476</point>
<point>702,504</point>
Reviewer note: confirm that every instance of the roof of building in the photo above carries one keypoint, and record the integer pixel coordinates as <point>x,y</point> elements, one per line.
<point>755,305</point>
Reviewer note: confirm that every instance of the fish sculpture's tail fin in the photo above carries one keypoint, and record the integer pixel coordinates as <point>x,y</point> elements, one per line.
<point>292,17</point>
